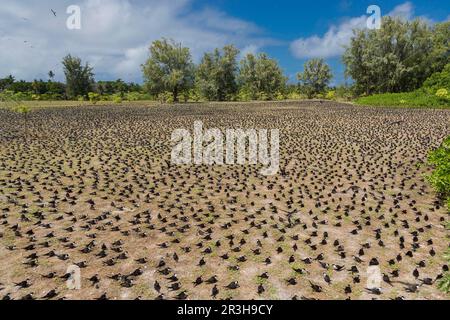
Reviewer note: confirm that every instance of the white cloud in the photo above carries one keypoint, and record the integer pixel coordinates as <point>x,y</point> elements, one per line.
<point>405,11</point>
<point>333,42</point>
<point>250,49</point>
<point>115,34</point>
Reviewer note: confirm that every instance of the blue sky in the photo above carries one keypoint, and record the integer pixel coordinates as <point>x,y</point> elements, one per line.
<point>116,34</point>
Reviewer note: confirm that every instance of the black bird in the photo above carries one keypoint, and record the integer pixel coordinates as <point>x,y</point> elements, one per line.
<point>348,289</point>
<point>94,279</point>
<point>181,296</point>
<point>291,281</point>
<point>375,291</point>
<point>157,286</point>
<point>212,280</point>
<point>261,289</point>
<point>50,275</point>
<point>233,285</point>
<point>214,292</point>
<point>175,286</point>
<point>315,287</point>
<point>24,284</point>
<point>198,281</point>
<point>50,295</point>
<point>387,279</point>
<point>53,11</point>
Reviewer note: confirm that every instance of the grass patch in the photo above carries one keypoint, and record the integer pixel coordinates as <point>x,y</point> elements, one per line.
<point>419,98</point>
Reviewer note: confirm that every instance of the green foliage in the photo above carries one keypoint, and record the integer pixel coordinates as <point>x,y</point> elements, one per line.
<point>79,78</point>
<point>5,83</point>
<point>279,96</point>
<point>22,109</point>
<point>117,99</point>
<point>169,68</point>
<point>440,160</point>
<point>331,95</point>
<point>216,75</point>
<point>117,86</point>
<point>439,80</point>
<point>93,97</point>
<point>260,78</point>
<point>418,98</point>
<point>399,57</point>
<point>166,97</point>
<point>442,94</point>
<point>440,179</point>
<point>315,77</point>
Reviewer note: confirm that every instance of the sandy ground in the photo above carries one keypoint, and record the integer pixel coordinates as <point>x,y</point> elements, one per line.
<point>94,186</point>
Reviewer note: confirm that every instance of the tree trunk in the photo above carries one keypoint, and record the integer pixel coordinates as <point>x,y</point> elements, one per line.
<point>175,94</point>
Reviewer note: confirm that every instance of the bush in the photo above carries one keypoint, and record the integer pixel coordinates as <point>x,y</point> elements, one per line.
<point>93,97</point>
<point>166,97</point>
<point>262,96</point>
<point>439,80</point>
<point>244,95</point>
<point>279,96</point>
<point>22,109</point>
<point>331,95</point>
<point>294,96</point>
<point>117,99</point>
<point>418,98</point>
<point>442,94</point>
<point>132,96</point>
<point>440,178</point>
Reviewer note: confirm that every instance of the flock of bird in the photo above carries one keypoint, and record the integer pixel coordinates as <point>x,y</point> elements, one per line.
<point>94,188</point>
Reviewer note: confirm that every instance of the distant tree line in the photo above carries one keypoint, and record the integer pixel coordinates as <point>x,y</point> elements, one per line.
<point>399,57</point>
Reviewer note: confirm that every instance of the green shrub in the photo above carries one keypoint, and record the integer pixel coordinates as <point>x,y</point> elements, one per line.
<point>93,97</point>
<point>294,96</point>
<point>418,98</point>
<point>262,96</point>
<point>166,97</point>
<point>244,95</point>
<point>440,179</point>
<point>279,96</point>
<point>331,95</point>
<point>438,81</point>
<point>132,96</point>
<point>22,109</point>
<point>442,94</point>
<point>440,160</point>
<point>117,99</point>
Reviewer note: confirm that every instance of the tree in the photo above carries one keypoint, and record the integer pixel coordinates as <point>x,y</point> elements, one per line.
<point>79,78</point>
<point>315,78</point>
<point>39,86</point>
<point>169,68</point>
<point>6,82</point>
<point>398,57</point>
<point>261,77</point>
<point>217,73</point>
<point>440,55</point>
<point>51,75</point>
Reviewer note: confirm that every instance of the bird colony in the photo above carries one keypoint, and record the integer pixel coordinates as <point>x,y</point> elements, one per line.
<point>93,190</point>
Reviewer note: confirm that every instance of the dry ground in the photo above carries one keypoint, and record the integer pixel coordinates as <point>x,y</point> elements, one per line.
<point>93,186</point>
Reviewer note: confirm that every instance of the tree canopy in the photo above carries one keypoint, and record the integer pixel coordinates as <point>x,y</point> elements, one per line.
<point>169,68</point>
<point>79,78</point>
